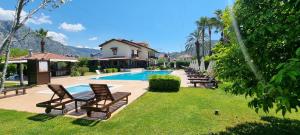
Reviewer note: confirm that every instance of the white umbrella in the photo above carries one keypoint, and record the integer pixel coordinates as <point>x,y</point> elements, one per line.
<point>202,65</point>
<point>210,67</point>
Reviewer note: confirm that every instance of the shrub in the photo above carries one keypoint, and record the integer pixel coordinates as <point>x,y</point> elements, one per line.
<point>114,70</point>
<point>111,70</point>
<point>74,71</point>
<point>164,83</point>
<point>82,70</point>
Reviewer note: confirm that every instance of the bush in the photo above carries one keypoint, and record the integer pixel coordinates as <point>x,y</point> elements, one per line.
<point>82,70</point>
<point>164,83</point>
<point>114,70</point>
<point>79,71</point>
<point>74,71</point>
<point>111,70</point>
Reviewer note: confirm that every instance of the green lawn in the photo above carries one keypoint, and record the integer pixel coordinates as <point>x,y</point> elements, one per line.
<point>190,111</point>
<point>90,73</point>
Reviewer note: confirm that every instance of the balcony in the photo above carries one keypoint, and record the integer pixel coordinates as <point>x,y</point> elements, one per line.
<point>134,56</point>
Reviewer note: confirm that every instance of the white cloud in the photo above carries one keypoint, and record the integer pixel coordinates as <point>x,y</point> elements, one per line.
<point>8,15</point>
<point>43,19</point>
<point>93,38</point>
<point>71,27</point>
<point>59,37</point>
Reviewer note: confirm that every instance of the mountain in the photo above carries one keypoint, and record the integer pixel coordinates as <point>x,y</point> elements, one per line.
<point>31,41</point>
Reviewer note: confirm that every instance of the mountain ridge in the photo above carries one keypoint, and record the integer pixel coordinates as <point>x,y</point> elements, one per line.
<point>32,42</point>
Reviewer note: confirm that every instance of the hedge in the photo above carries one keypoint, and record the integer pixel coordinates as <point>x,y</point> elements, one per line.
<point>111,70</point>
<point>164,83</point>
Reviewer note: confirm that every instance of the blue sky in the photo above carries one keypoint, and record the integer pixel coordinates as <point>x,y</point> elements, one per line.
<point>164,24</point>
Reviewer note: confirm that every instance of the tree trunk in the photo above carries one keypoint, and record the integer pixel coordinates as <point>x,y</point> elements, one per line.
<point>21,74</point>
<point>5,65</point>
<point>209,32</point>
<point>203,44</point>
<point>42,46</point>
<point>197,44</point>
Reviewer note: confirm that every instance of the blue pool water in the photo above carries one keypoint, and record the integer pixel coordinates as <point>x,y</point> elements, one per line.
<point>134,76</point>
<point>80,88</point>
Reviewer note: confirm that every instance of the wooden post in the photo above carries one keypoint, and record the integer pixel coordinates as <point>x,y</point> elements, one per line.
<point>21,74</point>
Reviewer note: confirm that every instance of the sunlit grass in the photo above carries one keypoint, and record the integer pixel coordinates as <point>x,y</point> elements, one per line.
<point>189,111</point>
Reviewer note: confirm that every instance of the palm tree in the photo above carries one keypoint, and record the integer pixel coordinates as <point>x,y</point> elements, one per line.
<point>193,41</point>
<point>42,34</point>
<point>211,22</point>
<point>219,23</point>
<point>202,24</point>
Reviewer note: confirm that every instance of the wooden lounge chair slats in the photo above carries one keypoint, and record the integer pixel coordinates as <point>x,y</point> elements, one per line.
<point>103,94</point>
<point>64,97</point>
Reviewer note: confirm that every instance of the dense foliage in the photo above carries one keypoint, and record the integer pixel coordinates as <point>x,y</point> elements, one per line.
<point>270,31</point>
<point>164,83</point>
<point>80,68</point>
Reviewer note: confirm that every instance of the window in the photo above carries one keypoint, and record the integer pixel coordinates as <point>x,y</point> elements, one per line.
<point>114,50</point>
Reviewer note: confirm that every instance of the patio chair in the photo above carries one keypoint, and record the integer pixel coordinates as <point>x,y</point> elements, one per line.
<point>103,94</point>
<point>64,97</point>
<point>98,72</point>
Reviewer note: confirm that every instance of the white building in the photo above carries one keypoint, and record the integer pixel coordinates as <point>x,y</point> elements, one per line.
<point>126,54</point>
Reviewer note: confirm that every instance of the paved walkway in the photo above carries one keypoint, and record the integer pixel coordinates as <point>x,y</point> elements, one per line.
<point>41,93</point>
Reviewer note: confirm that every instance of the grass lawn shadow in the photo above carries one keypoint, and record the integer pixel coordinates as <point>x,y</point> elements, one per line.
<point>41,117</point>
<point>273,126</point>
<point>85,122</point>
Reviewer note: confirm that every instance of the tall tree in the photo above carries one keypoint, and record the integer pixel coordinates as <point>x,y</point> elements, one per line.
<point>219,23</point>
<point>211,22</point>
<point>193,42</point>
<point>42,34</point>
<point>18,22</point>
<point>202,26</point>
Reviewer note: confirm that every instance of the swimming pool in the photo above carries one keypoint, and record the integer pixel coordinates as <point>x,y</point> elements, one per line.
<point>80,88</point>
<point>134,76</point>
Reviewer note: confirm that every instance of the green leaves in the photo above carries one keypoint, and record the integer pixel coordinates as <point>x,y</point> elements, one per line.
<point>271,36</point>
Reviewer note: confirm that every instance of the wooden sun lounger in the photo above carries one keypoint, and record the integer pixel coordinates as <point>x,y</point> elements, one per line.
<point>210,83</point>
<point>103,94</point>
<point>200,78</point>
<point>64,98</point>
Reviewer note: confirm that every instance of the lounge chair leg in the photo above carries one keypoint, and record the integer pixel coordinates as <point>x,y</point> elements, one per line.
<point>126,100</point>
<point>24,91</point>
<point>76,110</point>
<point>62,109</point>
<point>47,110</point>
<point>108,115</point>
<point>89,113</point>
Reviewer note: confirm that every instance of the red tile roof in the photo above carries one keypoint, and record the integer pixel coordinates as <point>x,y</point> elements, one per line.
<point>44,56</point>
<point>131,43</point>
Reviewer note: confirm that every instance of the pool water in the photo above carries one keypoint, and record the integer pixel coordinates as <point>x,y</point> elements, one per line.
<point>80,88</point>
<point>134,76</point>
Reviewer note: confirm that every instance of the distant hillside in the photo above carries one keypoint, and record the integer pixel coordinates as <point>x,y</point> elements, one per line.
<point>33,42</point>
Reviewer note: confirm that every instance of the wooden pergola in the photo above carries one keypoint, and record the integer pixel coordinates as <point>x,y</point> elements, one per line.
<point>39,66</point>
